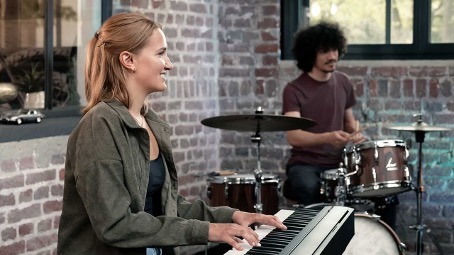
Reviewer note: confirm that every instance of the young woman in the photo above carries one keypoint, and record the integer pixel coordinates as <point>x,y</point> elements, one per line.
<point>120,194</point>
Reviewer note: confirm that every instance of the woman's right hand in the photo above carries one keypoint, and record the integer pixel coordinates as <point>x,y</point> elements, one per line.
<point>232,234</point>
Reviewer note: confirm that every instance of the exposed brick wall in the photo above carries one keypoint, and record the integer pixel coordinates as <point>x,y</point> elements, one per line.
<point>226,58</point>
<point>31,189</point>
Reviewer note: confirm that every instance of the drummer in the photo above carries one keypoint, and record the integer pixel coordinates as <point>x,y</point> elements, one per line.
<point>327,96</point>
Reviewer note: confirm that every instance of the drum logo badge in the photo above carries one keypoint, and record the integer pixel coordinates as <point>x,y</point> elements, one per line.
<point>391,166</point>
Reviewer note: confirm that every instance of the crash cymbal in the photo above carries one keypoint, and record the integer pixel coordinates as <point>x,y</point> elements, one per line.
<point>258,123</point>
<point>419,127</point>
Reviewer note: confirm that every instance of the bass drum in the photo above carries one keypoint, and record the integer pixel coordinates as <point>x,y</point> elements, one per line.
<point>372,236</point>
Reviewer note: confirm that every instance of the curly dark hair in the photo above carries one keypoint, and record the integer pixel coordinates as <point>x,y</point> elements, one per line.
<point>323,36</point>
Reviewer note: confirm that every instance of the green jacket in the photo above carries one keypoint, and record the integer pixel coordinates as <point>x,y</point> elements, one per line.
<point>106,179</point>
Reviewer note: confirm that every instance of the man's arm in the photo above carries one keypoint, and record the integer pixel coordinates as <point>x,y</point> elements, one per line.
<point>351,126</point>
<point>300,138</point>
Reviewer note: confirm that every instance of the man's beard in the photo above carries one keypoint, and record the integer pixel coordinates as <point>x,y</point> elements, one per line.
<point>332,61</point>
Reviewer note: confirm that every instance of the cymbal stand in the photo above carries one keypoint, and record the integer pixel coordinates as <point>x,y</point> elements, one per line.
<point>420,227</point>
<point>258,172</point>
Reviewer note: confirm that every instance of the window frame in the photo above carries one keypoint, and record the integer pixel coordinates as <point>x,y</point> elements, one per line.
<point>294,13</point>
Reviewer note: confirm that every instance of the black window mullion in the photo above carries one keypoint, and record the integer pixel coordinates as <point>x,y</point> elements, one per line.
<point>388,22</point>
<point>48,52</point>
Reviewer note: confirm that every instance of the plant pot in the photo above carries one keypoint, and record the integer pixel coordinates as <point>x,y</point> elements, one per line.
<point>34,100</point>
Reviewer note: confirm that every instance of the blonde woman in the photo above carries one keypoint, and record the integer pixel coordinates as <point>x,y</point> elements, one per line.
<point>120,194</point>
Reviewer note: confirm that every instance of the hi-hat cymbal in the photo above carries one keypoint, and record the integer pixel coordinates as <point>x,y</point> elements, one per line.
<point>258,123</point>
<point>419,127</point>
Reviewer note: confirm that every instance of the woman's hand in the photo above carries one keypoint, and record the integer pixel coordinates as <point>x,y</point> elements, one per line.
<point>232,234</point>
<point>246,219</point>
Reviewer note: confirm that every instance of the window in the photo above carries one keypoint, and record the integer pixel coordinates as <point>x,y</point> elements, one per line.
<point>384,29</point>
<point>41,42</point>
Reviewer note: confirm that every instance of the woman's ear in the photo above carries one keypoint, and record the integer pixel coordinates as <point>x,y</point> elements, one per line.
<point>127,60</point>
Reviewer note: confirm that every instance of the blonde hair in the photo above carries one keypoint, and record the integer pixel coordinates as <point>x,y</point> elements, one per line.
<point>105,76</point>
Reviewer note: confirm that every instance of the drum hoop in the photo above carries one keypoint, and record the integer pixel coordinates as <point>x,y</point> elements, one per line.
<point>387,227</point>
<point>381,185</point>
<point>379,144</point>
<point>249,179</point>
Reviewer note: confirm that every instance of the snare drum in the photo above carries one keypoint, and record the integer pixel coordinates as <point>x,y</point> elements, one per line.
<point>238,191</point>
<point>377,168</point>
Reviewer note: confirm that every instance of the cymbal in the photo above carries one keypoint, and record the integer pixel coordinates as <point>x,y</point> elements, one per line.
<point>419,126</point>
<point>258,122</point>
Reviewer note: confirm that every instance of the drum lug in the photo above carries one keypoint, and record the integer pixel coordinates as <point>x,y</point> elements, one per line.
<point>226,191</point>
<point>407,173</point>
<point>407,154</point>
<point>376,154</point>
<point>209,192</point>
<point>374,174</point>
<point>402,247</point>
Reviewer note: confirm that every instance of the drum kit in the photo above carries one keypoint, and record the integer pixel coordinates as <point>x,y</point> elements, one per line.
<point>372,169</point>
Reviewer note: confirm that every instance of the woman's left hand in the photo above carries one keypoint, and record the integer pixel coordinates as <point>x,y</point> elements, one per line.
<point>247,219</point>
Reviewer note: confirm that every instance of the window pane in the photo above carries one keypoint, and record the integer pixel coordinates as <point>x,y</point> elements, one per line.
<point>22,76</point>
<point>361,25</point>
<point>367,25</point>
<point>442,21</point>
<point>402,21</point>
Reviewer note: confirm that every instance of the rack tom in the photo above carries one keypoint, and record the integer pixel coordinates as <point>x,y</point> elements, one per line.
<point>377,168</point>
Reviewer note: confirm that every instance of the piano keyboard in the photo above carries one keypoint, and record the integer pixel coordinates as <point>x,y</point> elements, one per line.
<point>309,231</point>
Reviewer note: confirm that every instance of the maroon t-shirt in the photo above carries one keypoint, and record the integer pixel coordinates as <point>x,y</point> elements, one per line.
<point>325,103</point>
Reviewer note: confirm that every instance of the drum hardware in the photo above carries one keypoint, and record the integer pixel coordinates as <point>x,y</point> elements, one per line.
<point>420,129</point>
<point>257,123</point>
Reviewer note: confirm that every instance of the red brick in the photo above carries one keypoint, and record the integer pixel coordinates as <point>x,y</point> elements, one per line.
<point>265,72</point>
<point>8,166</point>
<point>237,47</point>
<point>373,88</point>
<point>6,200</point>
<point>260,87</point>
<point>408,88</point>
<point>26,163</point>
<point>268,23</point>
<point>41,192</point>
<point>359,87</point>
<point>157,4</point>
<point>2,218</point>
<point>190,33</point>
<point>41,242</point>
<point>433,88</point>
<point>391,72</point>
<point>450,106</point>
<point>48,175</point>
<point>56,221</point>
<point>44,225</point>
<point>139,3</point>
<point>14,248</point>
<point>271,88</point>
<point>178,6</point>
<point>234,72</point>
<point>9,234</point>
<point>26,229</point>
<point>12,182</point>
<point>436,71</point>
<point>198,8</point>
<point>419,71</point>
<point>394,89</point>
<point>61,174</point>
<point>169,17</point>
<point>52,206</point>
<point>353,71</point>
<point>270,10</point>
<point>443,119</point>
<point>270,60</point>
<point>266,36</point>
<point>421,87</point>
<point>266,48</point>
<point>25,213</point>
<point>446,88</point>
<point>242,23</point>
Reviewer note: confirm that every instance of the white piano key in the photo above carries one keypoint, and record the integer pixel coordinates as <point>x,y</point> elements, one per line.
<point>262,231</point>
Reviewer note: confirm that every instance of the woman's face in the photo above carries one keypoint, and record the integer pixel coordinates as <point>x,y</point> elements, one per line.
<point>152,63</point>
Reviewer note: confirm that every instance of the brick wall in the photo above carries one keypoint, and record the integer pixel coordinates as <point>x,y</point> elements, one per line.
<point>31,189</point>
<point>226,58</point>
